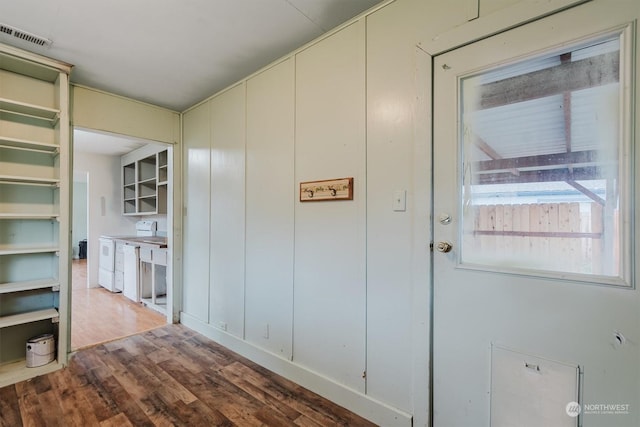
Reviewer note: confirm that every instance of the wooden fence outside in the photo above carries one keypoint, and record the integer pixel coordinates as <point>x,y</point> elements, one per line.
<point>548,236</point>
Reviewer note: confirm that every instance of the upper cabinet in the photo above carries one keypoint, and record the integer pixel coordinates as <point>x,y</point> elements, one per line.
<point>34,210</point>
<point>145,173</point>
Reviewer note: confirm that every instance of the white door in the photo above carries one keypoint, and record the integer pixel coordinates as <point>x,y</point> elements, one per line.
<point>536,311</point>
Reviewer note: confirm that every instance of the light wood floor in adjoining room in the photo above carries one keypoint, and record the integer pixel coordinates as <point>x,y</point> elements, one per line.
<point>98,315</point>
<point>167,376</point>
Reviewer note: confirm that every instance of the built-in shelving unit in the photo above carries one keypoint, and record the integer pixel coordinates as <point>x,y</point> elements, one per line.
<point>29,285</point>
<point>26,145</point>
<point>144,181</point>
<point>9,179</point>
<point>29,317</point>
<point>29,110</point>
<point>27,215</point>
<point>34,209</point>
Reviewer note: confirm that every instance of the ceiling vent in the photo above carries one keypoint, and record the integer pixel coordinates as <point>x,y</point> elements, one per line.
<point>24,35</point>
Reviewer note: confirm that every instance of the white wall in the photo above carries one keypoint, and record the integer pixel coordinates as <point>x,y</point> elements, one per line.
<point>95,109</point>
<point>350,280</point>
<point>103,190</point>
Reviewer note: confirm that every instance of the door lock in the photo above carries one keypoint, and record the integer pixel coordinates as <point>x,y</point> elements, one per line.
<point>444,247</point>
<point>444,218</point>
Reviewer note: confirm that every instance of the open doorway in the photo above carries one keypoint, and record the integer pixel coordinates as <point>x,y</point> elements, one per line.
<point>100,311</point>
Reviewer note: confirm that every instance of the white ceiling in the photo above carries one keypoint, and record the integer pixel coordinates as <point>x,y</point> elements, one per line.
<point>171,53</point>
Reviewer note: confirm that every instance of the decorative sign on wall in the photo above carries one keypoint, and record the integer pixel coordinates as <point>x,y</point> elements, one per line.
<point>330,189</point>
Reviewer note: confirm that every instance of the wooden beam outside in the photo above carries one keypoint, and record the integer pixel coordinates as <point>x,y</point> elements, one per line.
<point>559,234</point>
<point>546,175</point>
<point>566,77</point>
<point>584,190</point>
<point>543,160</point>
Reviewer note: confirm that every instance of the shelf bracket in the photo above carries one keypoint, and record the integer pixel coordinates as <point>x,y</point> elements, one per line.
<point>55,319</point>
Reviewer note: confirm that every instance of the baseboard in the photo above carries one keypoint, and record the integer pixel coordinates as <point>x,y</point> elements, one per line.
<point>361,404</point>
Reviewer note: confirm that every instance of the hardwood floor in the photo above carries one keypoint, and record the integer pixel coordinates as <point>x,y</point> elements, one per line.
<point>167,376</point>
<point>98,315</point>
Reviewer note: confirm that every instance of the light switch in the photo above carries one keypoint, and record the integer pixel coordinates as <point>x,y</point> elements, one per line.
<point>400,200</point>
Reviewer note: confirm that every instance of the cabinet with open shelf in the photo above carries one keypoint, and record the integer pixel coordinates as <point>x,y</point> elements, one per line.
<point>144,181</point>
<point>34,208</point>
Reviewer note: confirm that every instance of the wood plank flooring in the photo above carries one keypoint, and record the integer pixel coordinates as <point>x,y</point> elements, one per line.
<point>98,315</point>
<point>170,376</point>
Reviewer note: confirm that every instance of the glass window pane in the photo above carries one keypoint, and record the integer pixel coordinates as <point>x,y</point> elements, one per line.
<point>540,163</point>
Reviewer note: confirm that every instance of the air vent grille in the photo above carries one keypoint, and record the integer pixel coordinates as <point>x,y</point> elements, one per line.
<point>24,35</point>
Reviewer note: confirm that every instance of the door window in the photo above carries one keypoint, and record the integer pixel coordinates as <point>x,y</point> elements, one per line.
<point>545,164</point>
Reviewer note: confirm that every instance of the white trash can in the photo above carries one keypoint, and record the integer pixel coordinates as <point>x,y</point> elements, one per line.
<point>40,350</point>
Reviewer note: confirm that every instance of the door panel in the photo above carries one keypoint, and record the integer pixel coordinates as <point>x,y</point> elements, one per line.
<point>532,190</point>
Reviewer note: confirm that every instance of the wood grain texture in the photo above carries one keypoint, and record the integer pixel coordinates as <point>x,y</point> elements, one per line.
<point>170,376</point>
<point>98,316</point>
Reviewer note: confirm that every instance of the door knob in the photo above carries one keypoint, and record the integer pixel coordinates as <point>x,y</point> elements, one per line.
<point>444,247</point>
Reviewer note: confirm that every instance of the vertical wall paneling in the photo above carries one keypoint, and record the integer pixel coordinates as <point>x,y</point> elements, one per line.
<point>390,151</point>
<point>197,158</point>
<point>361,290</point>
<point>330,261</point>
<point>398,160</point>
<point>226,310</point>
<point>270,208</point>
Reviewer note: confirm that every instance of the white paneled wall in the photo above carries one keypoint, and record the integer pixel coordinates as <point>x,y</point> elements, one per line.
<point>322,292</point>
<point>196,184</point>
<point>226,280</point>
<point>270,209</point>
<point>330,261</point>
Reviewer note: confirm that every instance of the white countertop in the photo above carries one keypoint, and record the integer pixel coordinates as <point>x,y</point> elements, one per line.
<point>153,241</point>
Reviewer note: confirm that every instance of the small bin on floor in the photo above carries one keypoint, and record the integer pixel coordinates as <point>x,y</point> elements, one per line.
<point>82,251</point>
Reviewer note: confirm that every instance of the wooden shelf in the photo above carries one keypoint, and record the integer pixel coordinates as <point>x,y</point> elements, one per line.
<point>29,317</point>
<point>34,146</point>
<point>5,250</point>
<point>29,110</point>
<point>150,170</point>
<point>28,216</point>
<point>6,288</point>
<point>11,373</point>
<point>24,144</point>
<point>28,180</point>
